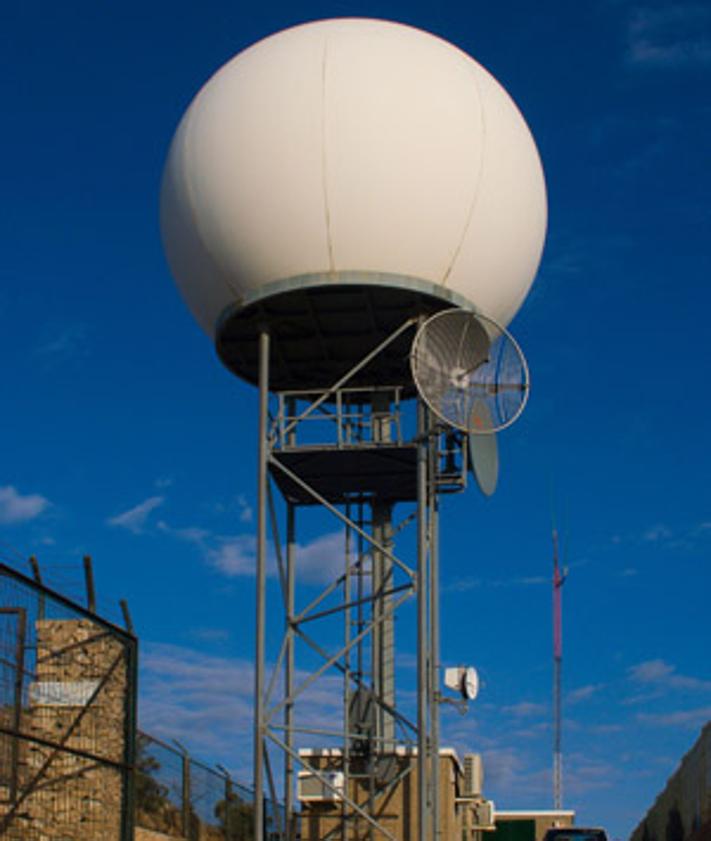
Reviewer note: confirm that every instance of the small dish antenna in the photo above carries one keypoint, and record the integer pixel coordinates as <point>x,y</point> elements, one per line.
<point>464,680</point>
<point>484,452</point>
<point>470,371</point>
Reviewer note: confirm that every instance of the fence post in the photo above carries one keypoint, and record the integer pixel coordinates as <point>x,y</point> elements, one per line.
<point>128,828</point>
<point>186,794</point>
<point>34,564</point>
<point>89,584</point>
<point>229,820</point>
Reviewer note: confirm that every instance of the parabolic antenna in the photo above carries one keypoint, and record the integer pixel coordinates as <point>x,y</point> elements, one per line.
<point>463,679</point>
<point>470,684</point>
<point>470,371</point>
<point>484,452</point>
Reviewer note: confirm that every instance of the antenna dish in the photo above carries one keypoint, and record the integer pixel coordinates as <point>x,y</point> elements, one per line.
<point>484,452</point>
<point>463,679</point>
<point>470,684</point>
<point>470,371</point>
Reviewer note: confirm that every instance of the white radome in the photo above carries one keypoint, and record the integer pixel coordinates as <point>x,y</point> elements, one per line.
<point>353,145</point>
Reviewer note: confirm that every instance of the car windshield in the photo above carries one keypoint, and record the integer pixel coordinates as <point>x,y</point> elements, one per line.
<point>576,835</point>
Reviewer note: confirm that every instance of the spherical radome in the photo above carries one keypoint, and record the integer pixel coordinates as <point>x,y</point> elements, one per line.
<point>353,145</point>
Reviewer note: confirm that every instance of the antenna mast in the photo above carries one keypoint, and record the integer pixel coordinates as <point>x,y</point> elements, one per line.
<point>558,581</point>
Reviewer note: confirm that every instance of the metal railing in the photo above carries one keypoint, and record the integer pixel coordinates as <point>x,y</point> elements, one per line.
<point>354,417</point>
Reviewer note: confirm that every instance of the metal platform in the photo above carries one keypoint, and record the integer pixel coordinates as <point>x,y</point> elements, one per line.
<point>386,473</point>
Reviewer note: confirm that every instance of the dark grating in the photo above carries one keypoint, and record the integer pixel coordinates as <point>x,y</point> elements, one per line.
<point>319,333</point>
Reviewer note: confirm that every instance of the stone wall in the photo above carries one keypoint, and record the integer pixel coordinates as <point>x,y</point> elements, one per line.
<point>76,798</point>
<point>150,835</point>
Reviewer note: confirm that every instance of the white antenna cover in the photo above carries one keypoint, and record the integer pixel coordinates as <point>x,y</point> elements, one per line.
<point>353,144</point>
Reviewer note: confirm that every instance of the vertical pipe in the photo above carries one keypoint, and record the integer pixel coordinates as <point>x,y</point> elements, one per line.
<point>376,635</point>
<point>347,694</point>
<point>259,665</point>
<point>434,654</point>
<point>289,676</point>
<point>422,606</point>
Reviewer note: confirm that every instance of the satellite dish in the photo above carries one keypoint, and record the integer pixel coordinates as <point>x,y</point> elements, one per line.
<point>470,371</point>
<point>463,679</point>
<point>386,768</point>
<point>470,683</point>
<point>361,716</point>
<point>484,451</point>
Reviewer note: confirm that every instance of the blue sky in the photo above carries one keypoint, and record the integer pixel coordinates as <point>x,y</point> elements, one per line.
<point>122,436</point>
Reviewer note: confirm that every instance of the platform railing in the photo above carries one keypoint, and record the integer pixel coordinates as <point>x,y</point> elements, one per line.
<point>351,418</point>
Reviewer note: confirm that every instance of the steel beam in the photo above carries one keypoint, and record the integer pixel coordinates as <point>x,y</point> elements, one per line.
<point>260,619</point>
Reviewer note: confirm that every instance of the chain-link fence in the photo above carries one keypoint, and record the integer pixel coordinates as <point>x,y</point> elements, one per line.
<point>67,718</point>
<point>182,798</point>
<point>71,765</point>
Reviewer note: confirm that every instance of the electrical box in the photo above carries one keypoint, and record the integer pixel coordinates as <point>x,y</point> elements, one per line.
<point>312,789</point>
<point>473,775</point>
<point>484,814</point>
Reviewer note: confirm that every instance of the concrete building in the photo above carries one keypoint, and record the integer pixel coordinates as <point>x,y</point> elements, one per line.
<point>682,811</point>
<point>529,825</point>
<point>392,802</point>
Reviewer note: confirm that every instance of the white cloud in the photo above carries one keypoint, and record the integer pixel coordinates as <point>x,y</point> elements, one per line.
<point>605,729</point>
<point>502,767</point>
<point>70,343</point>
<point>465,584</point>
<point>202,700</point>
<point>583,693</point>
<point>318,561</point>
<point>507,772</point>
<point>663,675</point>
<point>525,709</point>
<point>245,509</point>
<point>462,585</point>
<point>674,35</point>
<point>209,634</point>
<point>682,718</point>
<point>322,559</point>
<point>206,702</point>
<point>16,508</point>
<point>234,556</point>
<point>135,518</point>
<point>584,774</point>
<point>657,533</point>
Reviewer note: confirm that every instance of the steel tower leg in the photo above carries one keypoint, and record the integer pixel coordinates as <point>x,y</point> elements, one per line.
<point>289,671</point>
<point>384,633</point>
<point>259,658</point>
<point>422,610</point>
<point>383,671</point>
